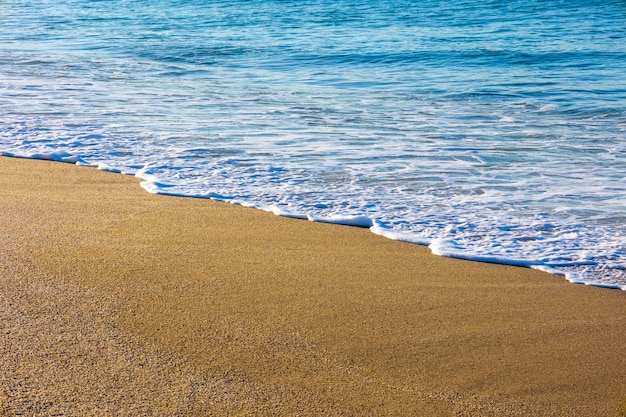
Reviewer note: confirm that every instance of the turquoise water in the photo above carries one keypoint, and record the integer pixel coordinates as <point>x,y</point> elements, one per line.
<point>493,131</point>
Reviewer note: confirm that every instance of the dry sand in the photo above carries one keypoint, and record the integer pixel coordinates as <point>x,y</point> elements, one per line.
<point>114,301</point>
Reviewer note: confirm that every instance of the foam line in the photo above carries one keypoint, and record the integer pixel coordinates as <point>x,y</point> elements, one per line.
<point>441,247</point>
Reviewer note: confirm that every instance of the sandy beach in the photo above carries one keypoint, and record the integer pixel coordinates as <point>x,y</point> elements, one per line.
<point>117,302</point>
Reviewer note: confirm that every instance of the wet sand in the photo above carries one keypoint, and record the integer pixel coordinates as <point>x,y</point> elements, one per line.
<point>114,301</point>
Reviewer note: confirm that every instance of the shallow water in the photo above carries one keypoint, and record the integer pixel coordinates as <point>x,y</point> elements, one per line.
<point>489,131</point>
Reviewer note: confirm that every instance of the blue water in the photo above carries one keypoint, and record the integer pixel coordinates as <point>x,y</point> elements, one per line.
<point>492,130</point>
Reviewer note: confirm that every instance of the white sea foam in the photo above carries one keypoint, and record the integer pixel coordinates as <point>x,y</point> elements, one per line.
<point>358,221</point>
<point>438,246</point>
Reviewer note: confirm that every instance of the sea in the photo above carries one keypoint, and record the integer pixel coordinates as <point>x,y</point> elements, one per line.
<point>487,130</point>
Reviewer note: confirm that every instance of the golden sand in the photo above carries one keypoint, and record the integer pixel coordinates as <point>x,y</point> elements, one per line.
<point>114,301</point>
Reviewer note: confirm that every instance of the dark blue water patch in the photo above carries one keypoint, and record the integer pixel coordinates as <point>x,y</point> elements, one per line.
<point>187,32</point>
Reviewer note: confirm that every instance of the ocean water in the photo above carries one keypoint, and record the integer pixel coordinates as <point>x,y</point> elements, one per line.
<point>488,130</point>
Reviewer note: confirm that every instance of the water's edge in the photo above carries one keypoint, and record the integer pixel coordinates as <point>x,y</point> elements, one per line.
<point>436,246</point>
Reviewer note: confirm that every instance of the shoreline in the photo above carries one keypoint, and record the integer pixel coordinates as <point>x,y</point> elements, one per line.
<point>118,301</point>
<point>360,221</point>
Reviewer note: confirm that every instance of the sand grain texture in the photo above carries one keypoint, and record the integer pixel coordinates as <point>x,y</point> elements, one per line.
<point>114,301</point>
